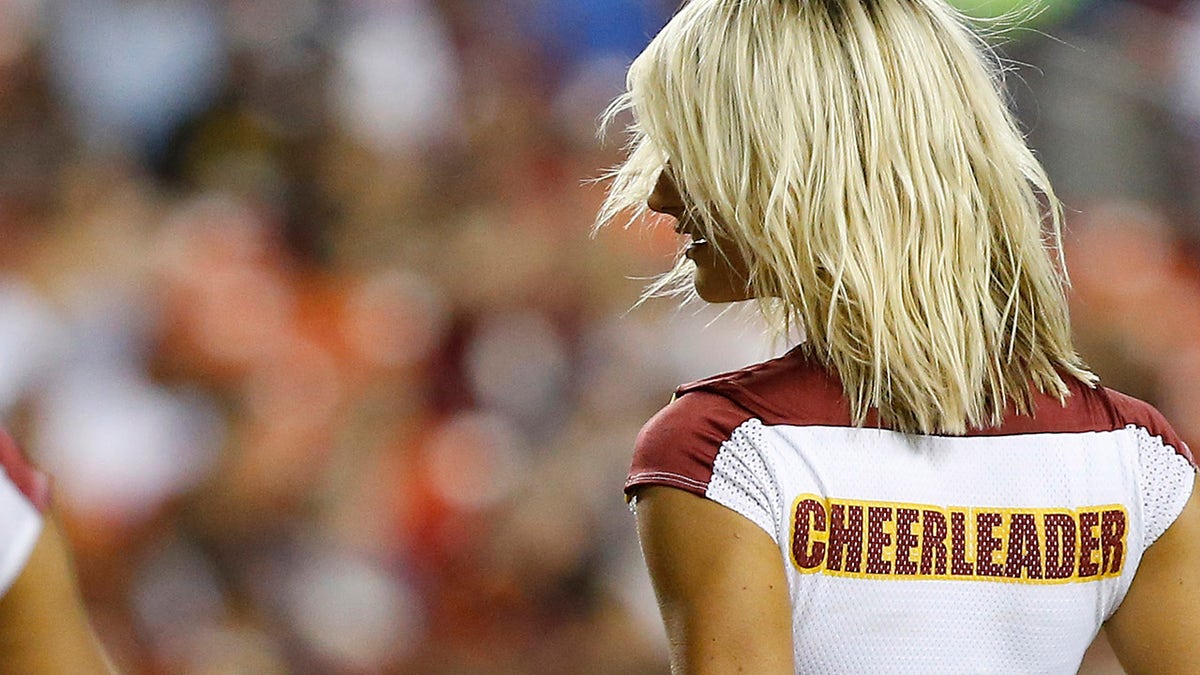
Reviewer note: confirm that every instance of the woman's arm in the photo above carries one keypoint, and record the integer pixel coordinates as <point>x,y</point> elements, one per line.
<point>43,626</point>
<point>1157,627</point>
<point>720,585</point>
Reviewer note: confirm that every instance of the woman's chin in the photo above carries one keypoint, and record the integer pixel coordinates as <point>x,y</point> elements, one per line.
<point>719,290</point>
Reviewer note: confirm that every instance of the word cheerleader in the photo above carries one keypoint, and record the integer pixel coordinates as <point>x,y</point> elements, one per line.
<point>920,541</point>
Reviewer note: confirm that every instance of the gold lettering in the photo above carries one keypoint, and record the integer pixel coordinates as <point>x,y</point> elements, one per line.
<point>921,541</point>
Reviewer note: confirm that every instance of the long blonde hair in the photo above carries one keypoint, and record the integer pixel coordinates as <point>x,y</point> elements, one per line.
<point>860,155</point>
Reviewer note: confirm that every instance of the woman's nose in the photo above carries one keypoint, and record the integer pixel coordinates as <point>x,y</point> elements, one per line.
<point>665,197</point>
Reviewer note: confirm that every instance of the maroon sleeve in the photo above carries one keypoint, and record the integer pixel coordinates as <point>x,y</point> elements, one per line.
<point>32,483</point>
<point>678,445</point>
<point>1133,411</point>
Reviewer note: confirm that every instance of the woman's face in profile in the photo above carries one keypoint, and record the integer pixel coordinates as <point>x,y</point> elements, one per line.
<point>719,278</point>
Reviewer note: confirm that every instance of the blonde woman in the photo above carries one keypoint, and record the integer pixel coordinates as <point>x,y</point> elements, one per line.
<point>931,481</point>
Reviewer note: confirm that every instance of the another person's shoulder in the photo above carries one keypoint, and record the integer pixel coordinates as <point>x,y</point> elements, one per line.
<point>24,497</point>
<point>32,485</point>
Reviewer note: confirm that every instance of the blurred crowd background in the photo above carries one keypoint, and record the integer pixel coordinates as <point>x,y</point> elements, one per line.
<point>298,305</point>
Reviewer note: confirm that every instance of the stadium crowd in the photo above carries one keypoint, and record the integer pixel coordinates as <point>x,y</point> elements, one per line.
<point>299,306</point>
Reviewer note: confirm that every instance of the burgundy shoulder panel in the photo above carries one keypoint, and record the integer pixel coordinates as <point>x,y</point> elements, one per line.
<point>796,390</point>
<point>678,446</point>
<point>1085,409</point>
<point>1130,410</point>
<point>791,389</point>
<point>31,482</point>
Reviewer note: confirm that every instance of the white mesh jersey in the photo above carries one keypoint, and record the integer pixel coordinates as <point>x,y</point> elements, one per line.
<point>1003,550</point>
<point>24,495</point>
